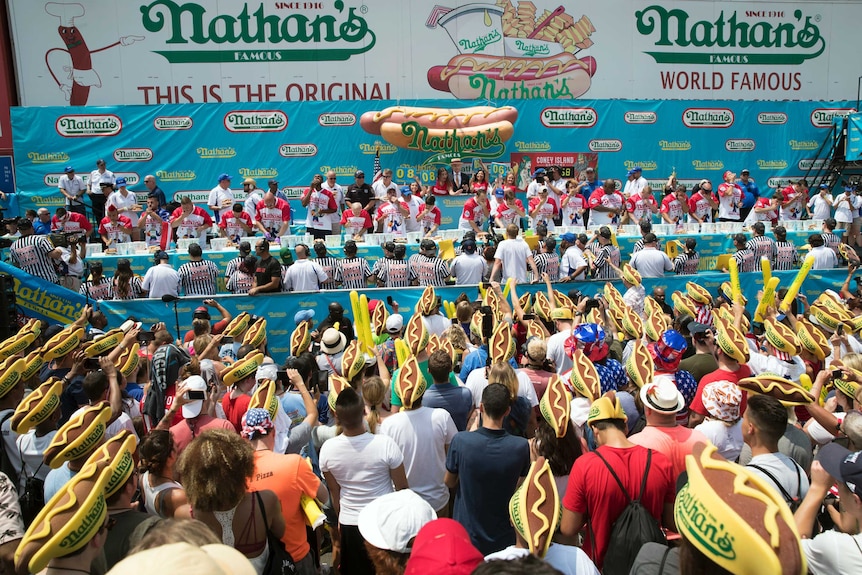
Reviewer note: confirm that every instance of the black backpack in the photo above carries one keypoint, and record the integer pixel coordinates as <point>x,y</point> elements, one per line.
<point>634,527</point>
<point>32,499</point>
<point>5,463</point>
<point>792,502</point>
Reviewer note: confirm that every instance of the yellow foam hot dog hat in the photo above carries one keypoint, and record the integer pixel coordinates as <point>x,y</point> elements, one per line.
<point>32,364</point>
<point>427,301</point>
<point>683,304</point>
<point>631,275</point>
<point>300,339</point>
<point>10,374</point>
<point>416,335</point>
<point>784,390</point>
<point>736,519</point>
<point>780,336</point>
<point>68,521</point>
<point>556,405</point>
<point>128,361</point>
<point>584,377</point>
<point>828,317</point>
<point>640,366</point>
<point>256,333</point>
<point>118,455</point>
<point>606,407</point>
<point>698,293</point>
<point>237,326</point>
<point>526,302</point>
<point>655,325</point>
<point>501,347</point>
<point>378,318</point>
<point>353,360</point>
<point>63,343</point>
<point>38,406</point>
<point>535,508</point>
<point>613,295</point>
<point>410,384</point>
<point>812,339</point>
<point>542,306</point>
<point>104,344</point>
<point>79,436</point>
<point>17,343</point>
<point>730,340</point>
<point>265,397</point>
<point>632,323</point>
<point>535,328</point>
<point>562,300</point>
<point>336,385</point>
<point>242,369</point>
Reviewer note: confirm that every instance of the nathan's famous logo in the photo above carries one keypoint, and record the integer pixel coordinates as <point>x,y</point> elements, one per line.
<point>90,523</point>
<point>694,515</point>
<point>337,119</point>
<point>173,123</point>
<point>822,117</point>
<point>782,181</point>
<point>88,126</point>
<point>730,39</point>
<point>215,153</point>
<point>532,146</point>
<point>772,118</point>
<point>176,175</point>
<point>568,117</point>
<point>258,172</point>
<point>707,118</point>
<point>377,147</point>
<point>739,145</point>
<point>476,132</point>
<point>605,145</point>
<point>804,145</point>
<point>701,165</point>
<point>48,157</point>
<point>812,164</point>
<point>771,164</point>
<point>255,36</point>
<point>297,150</point>
<point>242,121</point>
<point>133,155</point>
<point>674,145</point>
<point>645,165</point>
<point>506,52</point>
<point>640,117</point>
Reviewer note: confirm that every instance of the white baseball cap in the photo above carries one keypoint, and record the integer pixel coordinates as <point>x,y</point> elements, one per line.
<point>391,521</point>
<point>194,383</point>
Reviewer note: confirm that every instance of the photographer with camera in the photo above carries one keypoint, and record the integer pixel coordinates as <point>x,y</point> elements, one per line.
<point>70,267</point>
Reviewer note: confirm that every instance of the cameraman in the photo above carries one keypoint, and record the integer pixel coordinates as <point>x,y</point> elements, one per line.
<point>70,268</point>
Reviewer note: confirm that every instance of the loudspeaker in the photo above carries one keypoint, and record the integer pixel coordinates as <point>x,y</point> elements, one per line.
<point>8,309</point>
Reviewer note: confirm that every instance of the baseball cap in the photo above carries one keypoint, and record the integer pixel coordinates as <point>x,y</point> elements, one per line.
<point>499,192</point>
<point>745,171</point>
<point>468,246</point>
<point>590,169</point>
<point>539,172</point>
<point>443,547</point>
<point>161,255</point>
<point>193,408</point>
<point>69,169</point>
<point>249,181</point>
<point>843,464</point>
<point>392,521</point>
<point>630,173</point>
<point>107,183</point>
<point>358,174</point>
<point>303,315</point>
<point>695,328</point>
<point>223,177</point>
<point>824,186</point>
<point>605,232</point>
<point>394,323</point>
<point>273,182</point>
<point>405,190</point>
<point>201,312</point>
<point>121,181</point>
<point>637,169</point>
<point>427,244</point>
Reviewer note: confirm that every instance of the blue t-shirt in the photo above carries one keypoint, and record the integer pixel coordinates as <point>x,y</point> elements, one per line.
<point>294,407</point>
<point>476,359</point>
<point>56,479</point>
<point>489,463</point>
<point>455,399</point>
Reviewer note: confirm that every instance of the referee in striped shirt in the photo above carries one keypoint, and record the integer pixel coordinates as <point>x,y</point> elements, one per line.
<point>33,254</point>
<point>761,245</point>
<point>426,269</point>
<point>198,276</point>
<point>233,265</point>
<point>331,265</point>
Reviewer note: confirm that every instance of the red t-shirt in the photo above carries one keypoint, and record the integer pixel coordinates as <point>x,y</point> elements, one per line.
<point>720,375</point>
<point>356,223</point>
<point>640,207</point>
<point>188,228</point>
<point>183,434</point>
<point>230,224</point>
<point>593,492</point>
<point>273,218</point>
<point>116,232</point>
<point>671,206</point>
<point>75,223</point>
<point>234,409</point>
<point>428,217</point>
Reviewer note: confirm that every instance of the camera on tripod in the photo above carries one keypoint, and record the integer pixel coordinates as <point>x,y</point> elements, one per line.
<point>65,239</point>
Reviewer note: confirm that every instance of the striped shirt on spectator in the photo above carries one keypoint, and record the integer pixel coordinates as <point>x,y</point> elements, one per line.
<point>134,292</point>
<point>550,264</point>
<point>354,273</point>
<point>762,247</point>
<point>428,271</point>
<point>686,263</point>
<point>332,268</point>
<point>198,278</point>
<point>104,290</point>
<point>31,255</point>
<point>786,256</point>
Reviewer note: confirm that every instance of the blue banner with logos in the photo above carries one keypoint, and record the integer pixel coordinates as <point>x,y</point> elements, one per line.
<point>38,298</point>
<point>187,146</point>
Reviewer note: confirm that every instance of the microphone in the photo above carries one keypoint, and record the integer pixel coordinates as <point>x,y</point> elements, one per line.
<point>168,298</point>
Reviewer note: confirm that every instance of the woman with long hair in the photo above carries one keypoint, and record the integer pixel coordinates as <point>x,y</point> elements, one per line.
<point>375,392</point>
<point>241,280</point>
<point>127,285</point>
<point>479,181</point>
<point>443,185</point>
<point>521,420</point>
<point>215,469</point>
<point>162,496</point>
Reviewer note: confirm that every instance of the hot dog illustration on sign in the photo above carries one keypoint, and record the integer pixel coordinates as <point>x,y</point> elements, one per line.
<point>513,53</point>
<point>72,67</point>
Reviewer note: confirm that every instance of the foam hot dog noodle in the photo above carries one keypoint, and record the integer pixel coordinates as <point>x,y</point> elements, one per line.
<point>535,509</point>
<point>38,406</point>
<point>79,436</point>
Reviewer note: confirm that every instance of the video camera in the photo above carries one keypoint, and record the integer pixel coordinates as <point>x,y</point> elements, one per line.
<point>65,239</point>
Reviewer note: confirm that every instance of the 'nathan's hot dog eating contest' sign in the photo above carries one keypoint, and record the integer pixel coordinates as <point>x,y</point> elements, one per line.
<point>104,52</point>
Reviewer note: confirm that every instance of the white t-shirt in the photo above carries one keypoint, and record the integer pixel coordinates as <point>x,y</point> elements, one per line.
<point>118,201</point>
<point>821,208</point>
<point>251,201</point>
<point>634,187</point>
<point>160,280</point>
<point>436,324</point>
<point>32,448</point>
<point>97,177</point>
<point>567,559</point>
<point>304,275</point>
<point>75,269</point>
<point>651,263</point>
<point>423,434</point>
<point>784,469</point>
<point>361,465</point>
<point>119,424</point>
<point>468,269</point>
<point>824,258</point>
<point>381,189</point>
<point>833,552</point>
<point>557,351</point>
<point>414,202</point>
<point>573,260</point>
<point>218,197</point>
<point>477,382</point>
<point>846,207</point>
<point>728,439</point>
<point>728,206</point>
<point>513,254</point>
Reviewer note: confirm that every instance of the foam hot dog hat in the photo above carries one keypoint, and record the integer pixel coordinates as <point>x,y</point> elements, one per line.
<point>613,295</point>
<point>683,304</point>
<point>698,293</point>
<point>10,374</point>
<point>476,324</point>
<point>584,377</point>
<point>128,361</point>
<point>238,325</point>
<point>526,302</point>
<point>501,347</point>
<point>300,339</point>
<point>118,455</point>
<point>410,384</point>
<point>730,340</point>
<point>427,301</point>
<point>655,324</point>
<point>632,324</point>
<point>827,317</point>
<point>68,521</point>
<point>265,397</point>
<point>727,315</point>
<point>38,406</point>
<point>416,334</point>
<point>535,328</point>
<point>18,343</point>
<point>848,388</point>
<point>780,336</point>
<point>32,364</point>
<point>63,343</point>
<point>735,518</point>
<point>242,369</point>
<point>542,306</point>
<point>640,366</point>
<point>353,360</point>
<point>631,275</point>
<point>378,318</point>
<point>784,390</point>
<point>812,339</point>
<point>562,300</point>
<point>727,291</point>
<point>80,436</point>
<point>535,508</point>
<point>556,405</point>
<point>104,344</point>
<point>436,343</point>
<point>256,333</point>
<point>606,407</point>
<point>336,385</point>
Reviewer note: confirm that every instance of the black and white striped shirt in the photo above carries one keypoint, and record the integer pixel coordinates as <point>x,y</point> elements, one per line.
<point>31,255</point>
<point>239,282</point>
<point>686,263</point>
<point>134,292</point>
<point>198,278</point>
<point>428,271</point>
<point>104,290</point>
<point>354,273</point>
<point>639,245</point>
<point>393,273</point>
<point>786,256</point>
<point>609,254</point>
<point>763,247</point>
<point>831,241</point>
<point>232,266</point>
<point>331,266</point>
<point>550,264</point>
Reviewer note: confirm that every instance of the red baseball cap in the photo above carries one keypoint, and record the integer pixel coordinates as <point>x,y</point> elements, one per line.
<point>443,547</point>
